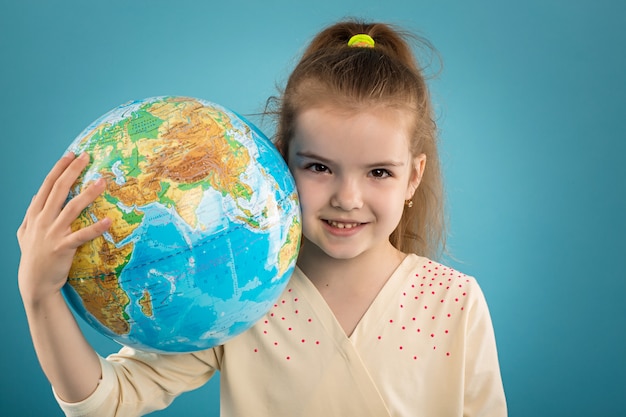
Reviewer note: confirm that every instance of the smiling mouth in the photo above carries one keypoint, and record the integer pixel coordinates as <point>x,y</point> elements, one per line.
<point>341,225</point>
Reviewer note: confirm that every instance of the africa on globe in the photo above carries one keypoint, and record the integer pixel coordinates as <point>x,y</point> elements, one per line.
<point>205,225</point>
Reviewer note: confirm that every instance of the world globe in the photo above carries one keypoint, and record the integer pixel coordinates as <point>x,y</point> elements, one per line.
<point>205,225</point>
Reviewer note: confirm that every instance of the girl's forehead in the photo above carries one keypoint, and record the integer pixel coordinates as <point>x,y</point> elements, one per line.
<point>368,132</point>
<point>349,108</point>
<point>391,121</point>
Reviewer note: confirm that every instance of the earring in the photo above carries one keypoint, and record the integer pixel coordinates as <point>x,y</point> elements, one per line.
<point>408,203</point>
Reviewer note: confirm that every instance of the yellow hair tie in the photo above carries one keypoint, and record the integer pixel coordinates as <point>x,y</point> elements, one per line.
<point>361,41</point>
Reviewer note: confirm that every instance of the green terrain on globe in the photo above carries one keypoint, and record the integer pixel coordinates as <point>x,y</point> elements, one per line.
<point>205,231</point>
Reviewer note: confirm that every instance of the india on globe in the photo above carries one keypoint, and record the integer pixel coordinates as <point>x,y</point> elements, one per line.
<point>205,225</point>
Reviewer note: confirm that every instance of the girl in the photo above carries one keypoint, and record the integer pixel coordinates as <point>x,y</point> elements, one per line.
<point>367,326</point>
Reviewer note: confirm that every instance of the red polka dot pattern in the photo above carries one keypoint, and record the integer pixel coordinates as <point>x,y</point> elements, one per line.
<point>295,324</point>
<point>423,323</point>
<point>433,312</point>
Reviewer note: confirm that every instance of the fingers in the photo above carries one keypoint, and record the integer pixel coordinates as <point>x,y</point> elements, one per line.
<point>44,190</point>
<point>40,199</point>
<point>61,187</point>
<point>77,204</point>
<point>48,209</point>
<point>88,233</point>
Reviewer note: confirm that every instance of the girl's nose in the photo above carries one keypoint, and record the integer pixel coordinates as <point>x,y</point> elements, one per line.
<point>347,195</point>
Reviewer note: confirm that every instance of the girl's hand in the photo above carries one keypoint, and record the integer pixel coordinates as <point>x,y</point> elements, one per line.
<point>45,236</point>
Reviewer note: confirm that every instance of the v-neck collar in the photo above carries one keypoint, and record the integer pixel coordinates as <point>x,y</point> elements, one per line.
<point>376,309</point>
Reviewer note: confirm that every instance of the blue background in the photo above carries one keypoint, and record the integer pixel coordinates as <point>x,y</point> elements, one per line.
<point>530,102</point>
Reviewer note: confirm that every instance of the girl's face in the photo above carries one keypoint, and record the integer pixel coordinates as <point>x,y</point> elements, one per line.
<point>353,171</point>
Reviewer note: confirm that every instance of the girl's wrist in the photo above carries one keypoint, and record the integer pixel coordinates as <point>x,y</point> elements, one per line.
<point>41,301</point>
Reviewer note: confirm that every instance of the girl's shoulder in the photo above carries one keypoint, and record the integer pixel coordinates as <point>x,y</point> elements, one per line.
<point>435,282</point>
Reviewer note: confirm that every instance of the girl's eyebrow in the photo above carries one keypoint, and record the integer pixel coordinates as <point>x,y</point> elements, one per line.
<point>311,155</point>
<point>388,163</point>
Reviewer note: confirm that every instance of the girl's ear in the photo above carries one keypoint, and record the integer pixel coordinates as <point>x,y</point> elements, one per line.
<point>417,171</point>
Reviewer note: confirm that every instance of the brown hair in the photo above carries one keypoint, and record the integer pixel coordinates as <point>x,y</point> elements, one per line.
<point>331,72</point>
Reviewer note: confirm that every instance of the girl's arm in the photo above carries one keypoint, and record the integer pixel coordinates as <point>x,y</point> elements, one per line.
<point>484,392</point>
<point>48,245</point>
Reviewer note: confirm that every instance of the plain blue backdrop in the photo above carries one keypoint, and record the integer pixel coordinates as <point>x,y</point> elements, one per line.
<point>530,101</point>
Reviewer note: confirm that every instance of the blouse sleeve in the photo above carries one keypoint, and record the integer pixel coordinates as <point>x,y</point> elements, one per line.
<point>135,383</point>
<point>484,393</point>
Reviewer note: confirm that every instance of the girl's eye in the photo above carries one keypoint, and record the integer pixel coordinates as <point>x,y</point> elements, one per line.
<point>315,167</point>
<point>380,173</point>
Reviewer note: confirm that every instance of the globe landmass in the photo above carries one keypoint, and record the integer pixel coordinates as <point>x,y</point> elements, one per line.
<point>205,225</point>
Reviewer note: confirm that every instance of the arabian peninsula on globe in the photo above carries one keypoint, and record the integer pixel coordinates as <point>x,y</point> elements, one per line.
<point>205,232</point>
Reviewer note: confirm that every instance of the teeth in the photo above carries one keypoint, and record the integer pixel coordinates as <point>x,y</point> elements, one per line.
<point>339,225</point>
